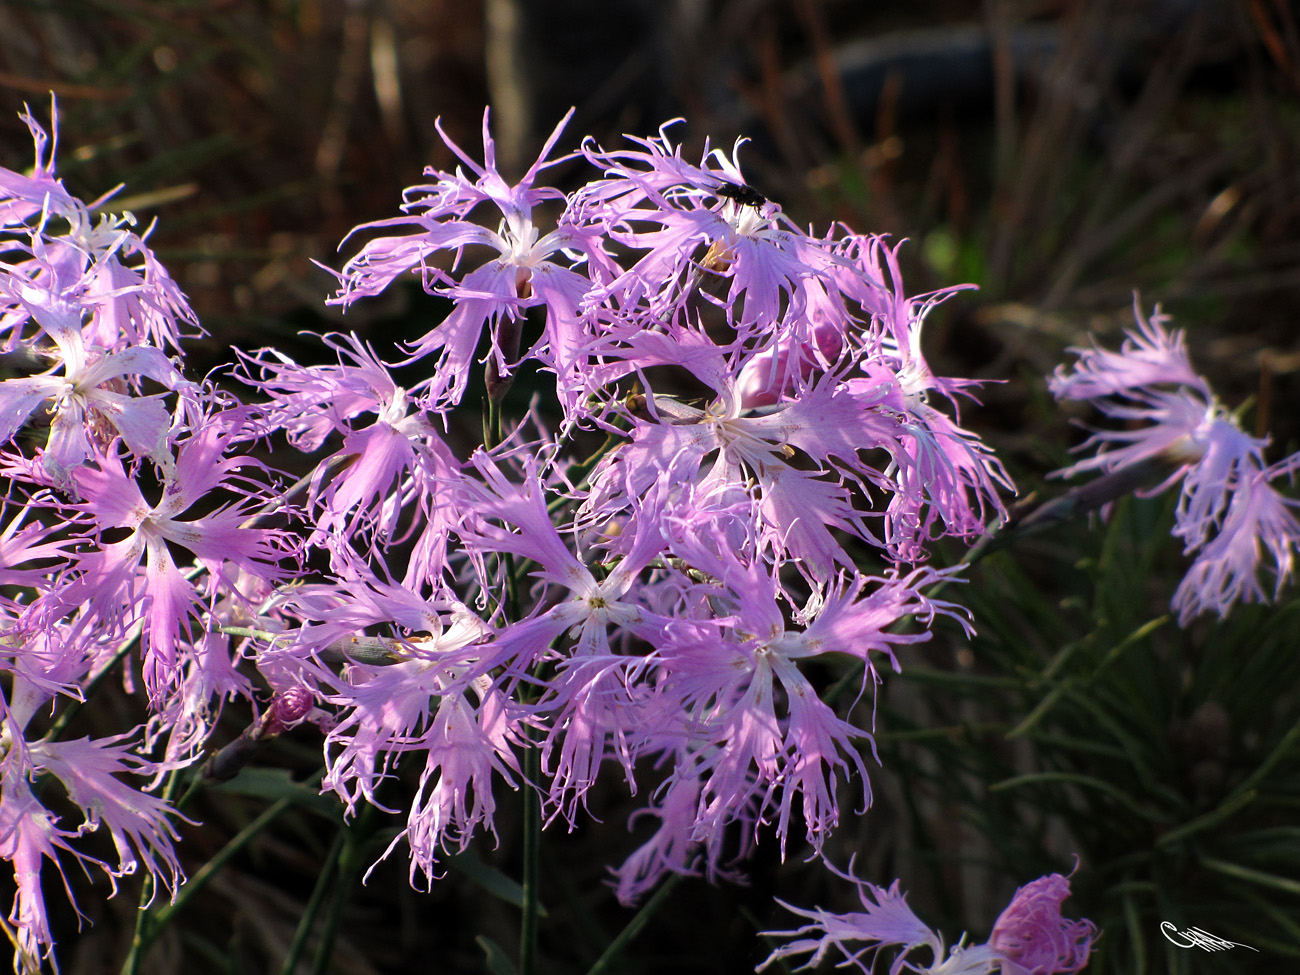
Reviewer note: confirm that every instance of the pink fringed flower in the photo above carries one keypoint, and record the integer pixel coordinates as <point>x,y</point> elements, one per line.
<point>1229,515</point>
<point>1031,936</point>
<point>522,274</point>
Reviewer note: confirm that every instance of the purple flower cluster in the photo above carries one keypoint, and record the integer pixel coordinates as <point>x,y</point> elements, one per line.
<point>770,407</point>
<point>1229,517</point>
<point>662,606</point>
<point>106,411</point>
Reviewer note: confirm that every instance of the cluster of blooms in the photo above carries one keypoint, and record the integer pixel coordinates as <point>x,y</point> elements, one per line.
<point>105,417</point>
<point>654,606</point>
<point>1229,514</point>
<point>684,578</point>
<point>1029,937</point>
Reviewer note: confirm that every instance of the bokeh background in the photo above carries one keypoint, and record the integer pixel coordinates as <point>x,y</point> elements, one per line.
<point>1060,155</point>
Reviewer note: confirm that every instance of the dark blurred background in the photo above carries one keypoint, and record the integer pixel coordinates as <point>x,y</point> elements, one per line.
<point>1061,155</point>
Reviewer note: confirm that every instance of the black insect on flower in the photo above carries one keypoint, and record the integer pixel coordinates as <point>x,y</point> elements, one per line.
<point>742,194</point>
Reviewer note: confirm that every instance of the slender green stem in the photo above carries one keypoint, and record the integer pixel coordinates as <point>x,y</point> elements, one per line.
<point>493,435</point>
<point>209,869</point>
<point>147,922</point>
<point>1082,499</point>
<point>310,912</point>
<point>528,925</point>
<point>354,840</point>
<point>141,935</point>
<point>606,962</point>
<point>326,469</point>
<point>580,472</point>
<point>325,947</point>
<point>196,783</point>
<point>532,819</point>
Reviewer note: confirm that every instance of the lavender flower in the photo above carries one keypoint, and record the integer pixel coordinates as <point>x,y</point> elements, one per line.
<point>72,295</point>
<point>495,293</point>
<point>99,266</point>
<point>41,667</point>
<point>108,577</point>
<point>1030,937</point>
<point>1229,516</point>
<point>91,401</point>
<point>393,460</point>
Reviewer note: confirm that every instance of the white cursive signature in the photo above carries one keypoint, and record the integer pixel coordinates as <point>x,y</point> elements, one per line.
<point>1197,938</point>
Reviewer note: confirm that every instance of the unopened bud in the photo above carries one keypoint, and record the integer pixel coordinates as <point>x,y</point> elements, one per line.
<point>288,709</point>
<point>508,335</point>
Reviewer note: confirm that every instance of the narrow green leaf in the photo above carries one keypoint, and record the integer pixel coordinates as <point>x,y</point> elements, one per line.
<point>1074,778</point>
<point>1040,709</point>
<point>1289,944</point>
<point>1132,919</point>
<point>275,784</point>
<point>1225,810</point>
<point>607,962</point>
<point>498,962</point>
<point>468,864</point>
<point>1259,877</point>
<point>1288,742</point>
